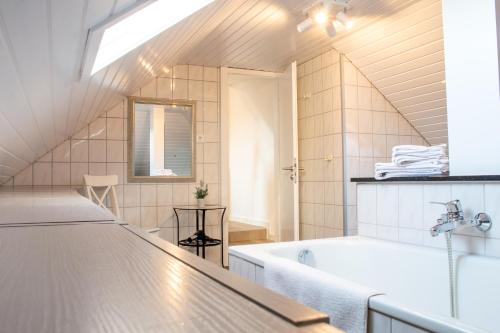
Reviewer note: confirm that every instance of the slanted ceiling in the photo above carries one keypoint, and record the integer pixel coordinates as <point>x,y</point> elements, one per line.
<point>396,43</point>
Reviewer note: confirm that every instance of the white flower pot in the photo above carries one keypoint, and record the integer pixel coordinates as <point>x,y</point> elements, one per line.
<point>201,202</point>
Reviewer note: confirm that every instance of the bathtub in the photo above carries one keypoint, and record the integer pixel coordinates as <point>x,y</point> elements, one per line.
<point>414,281</point>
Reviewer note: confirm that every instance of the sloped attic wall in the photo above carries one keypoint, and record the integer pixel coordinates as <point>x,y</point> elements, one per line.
<point>100,148</point>
<point>344,122</point>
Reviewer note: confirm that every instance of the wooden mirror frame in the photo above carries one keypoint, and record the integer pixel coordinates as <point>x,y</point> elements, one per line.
<point>132,100</point>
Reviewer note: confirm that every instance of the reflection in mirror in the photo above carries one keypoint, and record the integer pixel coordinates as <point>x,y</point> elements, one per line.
<point>162,140</point>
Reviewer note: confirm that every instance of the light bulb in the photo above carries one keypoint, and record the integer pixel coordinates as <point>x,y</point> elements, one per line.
<point>321,17</point>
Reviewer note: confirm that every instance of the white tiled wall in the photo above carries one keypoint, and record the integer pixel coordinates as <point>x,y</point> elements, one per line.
<point>372,127</point>
<point>403,212</point>
<point>101,148</point>
<point>367,123</point>
<point>320,147</point>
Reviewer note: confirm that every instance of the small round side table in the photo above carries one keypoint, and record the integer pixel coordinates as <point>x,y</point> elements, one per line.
<point>200,238</point>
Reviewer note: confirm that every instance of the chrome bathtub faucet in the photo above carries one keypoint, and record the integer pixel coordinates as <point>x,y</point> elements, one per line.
<point>454,219</point>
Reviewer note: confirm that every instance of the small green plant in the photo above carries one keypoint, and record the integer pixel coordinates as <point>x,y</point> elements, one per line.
<point>201,191</point>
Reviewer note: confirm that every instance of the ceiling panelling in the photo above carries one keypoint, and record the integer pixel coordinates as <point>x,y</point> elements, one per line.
<point>396,43</point>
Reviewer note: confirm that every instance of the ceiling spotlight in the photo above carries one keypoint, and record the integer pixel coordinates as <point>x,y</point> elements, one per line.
<point>344,19</point>
<point>321,17</point>
<point>305,25</point>
<point>330,29</point>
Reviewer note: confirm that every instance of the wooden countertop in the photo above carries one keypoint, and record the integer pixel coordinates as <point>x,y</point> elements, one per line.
<point>67,266</point>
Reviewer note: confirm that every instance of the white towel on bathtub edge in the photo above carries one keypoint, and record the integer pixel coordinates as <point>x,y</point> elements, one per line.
<point>345,302</point>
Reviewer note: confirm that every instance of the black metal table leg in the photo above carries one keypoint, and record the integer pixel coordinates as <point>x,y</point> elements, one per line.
<point>203,231</point>
<point>222,237</point>
<point>197,228</point>
<point>177,218</point>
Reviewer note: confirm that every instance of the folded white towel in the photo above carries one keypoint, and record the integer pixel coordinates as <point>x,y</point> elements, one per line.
<point>402,160</point>
<point>345,302</point>
<point>412,149</point>
<point>411,160</point>
<point>422,168</point>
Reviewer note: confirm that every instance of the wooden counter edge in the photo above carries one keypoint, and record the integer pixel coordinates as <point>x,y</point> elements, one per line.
<point>287,309</point>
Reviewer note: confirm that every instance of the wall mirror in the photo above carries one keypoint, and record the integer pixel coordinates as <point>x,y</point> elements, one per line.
<point>161,144</point>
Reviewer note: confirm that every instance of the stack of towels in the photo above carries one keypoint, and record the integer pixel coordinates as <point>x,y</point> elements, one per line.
<point>411,161</point>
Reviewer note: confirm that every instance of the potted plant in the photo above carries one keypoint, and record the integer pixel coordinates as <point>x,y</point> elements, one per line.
<point>201,192</point>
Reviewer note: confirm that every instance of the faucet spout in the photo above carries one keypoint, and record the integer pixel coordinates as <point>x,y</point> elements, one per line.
<point>454,218</point>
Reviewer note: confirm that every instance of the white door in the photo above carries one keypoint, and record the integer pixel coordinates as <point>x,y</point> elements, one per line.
<point>288,215</point>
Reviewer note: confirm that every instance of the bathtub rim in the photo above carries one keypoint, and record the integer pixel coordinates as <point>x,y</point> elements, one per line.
<point>256,254</point>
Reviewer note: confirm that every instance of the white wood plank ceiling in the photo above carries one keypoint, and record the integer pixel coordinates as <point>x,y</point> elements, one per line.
<point>396,43</point>
<point>403,55</point>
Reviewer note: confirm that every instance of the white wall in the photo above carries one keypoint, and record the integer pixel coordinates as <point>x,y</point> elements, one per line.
<point>252,148</point>
<point>472,84</point>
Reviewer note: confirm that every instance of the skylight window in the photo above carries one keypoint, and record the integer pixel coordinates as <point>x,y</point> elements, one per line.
<point>132,30</point>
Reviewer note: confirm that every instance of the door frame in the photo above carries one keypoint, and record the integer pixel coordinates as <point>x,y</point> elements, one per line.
<point>224,127</point>
<point>225,72</point>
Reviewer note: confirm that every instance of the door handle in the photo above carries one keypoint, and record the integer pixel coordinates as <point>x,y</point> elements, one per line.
<point>292,168</point>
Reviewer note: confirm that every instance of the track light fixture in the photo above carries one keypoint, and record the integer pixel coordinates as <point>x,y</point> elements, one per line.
<point>344,19</point>
<point>325,16</point>
<point>305,25</point>
<point>330,29</point>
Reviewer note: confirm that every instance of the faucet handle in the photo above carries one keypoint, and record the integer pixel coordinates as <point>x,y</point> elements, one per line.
<point>454,206</point>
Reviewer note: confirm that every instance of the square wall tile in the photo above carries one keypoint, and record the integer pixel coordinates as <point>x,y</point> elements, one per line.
<point>114,151</point>
<point>195,72</point>
<point>42,173</point>
<point>114,128</point>
<point>77,172</point>
<point>164,87</point>
<point>97,150</point>
<point>164,194</point>
<point>180,89</point>
<point>149,90</point>
<point>211,153</point>
<point>379,123</point>
<point>117,169</point>
<point>387,205</point>
<point>411,236</point>
<point>195,90</point>
<point>132,215</point>
<point>97,169</point>
<point>180,194</point>
<point>210,112</point>
<point>492,207</point>
<point>367,203</point>
<point>364,98</point>
<point>97,129</point>
<point>210,91</point>
<point>211,74</point>
<point>79,151</point>
<point>61,174</point>
<point>411,206</point>
<point>148,194</point>
<point>116,111</point>
<point>181,72</point>
<point>132,195</point>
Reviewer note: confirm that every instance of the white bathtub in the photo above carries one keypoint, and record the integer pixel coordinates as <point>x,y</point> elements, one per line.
<point>413,278</point>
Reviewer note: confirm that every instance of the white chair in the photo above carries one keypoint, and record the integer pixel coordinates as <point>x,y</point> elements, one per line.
<point>108,182</point>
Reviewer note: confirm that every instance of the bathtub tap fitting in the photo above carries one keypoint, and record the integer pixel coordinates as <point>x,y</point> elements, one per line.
<point>454,219</point>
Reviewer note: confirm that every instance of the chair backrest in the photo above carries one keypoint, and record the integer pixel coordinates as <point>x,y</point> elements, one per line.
<point>108,182</point>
